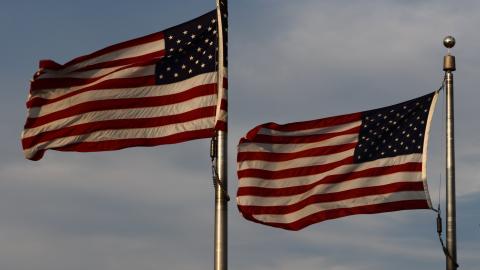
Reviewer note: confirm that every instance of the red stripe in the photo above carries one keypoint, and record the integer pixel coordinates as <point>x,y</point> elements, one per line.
<point>312,152</point>
<point>125,61</point>
<point>118,84</point>
<point>221,125</point>
<point>116,47</point>
<point>66,82</point>
<point>305,125</point>
<point>293,172</point>
<point>343,212</point>
<point>125,143</point>
<point>330,179</point>
<point>118,124</point>
<point>333,197</point>
<point>260,138</point>
<point>49,64</point>
<point>224,105</point>
<point>225,83</point>
<point>128,103</point>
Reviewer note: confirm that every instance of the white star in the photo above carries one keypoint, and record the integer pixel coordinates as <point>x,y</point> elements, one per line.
<point>185,32</point>
<point>202,65</point>
<point>213,20</point>
<point>210,56</point>
<point>176,75</point>
<point>191,58</point>
<point>161,76</point>
<point>192,36</point>
<point>179,41</point>
<point>170,37</point>
<point>184,67</point>
<point>199,26</point>
<point>207,40</point>
<point>190,71</point>
<point>199,49</point>
<point>168,68</point>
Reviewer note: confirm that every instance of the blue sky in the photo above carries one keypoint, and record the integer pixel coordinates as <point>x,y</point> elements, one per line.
<point>152,208</point>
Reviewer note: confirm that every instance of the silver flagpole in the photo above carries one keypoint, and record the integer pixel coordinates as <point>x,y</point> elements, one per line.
<point>449,67</point>
<point>221,187</point>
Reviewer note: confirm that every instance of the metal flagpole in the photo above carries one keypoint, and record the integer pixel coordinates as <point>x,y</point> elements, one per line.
<point>449,67</point>
<point>221,194</point>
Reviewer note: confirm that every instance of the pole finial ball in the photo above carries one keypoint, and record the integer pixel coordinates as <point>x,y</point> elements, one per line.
<point>449,42</point>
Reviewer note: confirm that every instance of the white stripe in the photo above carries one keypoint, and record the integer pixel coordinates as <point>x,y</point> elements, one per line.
<point>306,180</point>
<point>425,147</point>
<point>350,203</point>
<point>136,133</point>
<point>109,94</point>
<point>131,72</point>
<point>292,148</point>
<point>294,163</point>
<point>129,52</point>
<point>331,188</point>
<point>130,113</point>
<point>314,131</point>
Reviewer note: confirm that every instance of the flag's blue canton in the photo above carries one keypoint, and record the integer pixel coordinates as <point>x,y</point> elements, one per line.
<point>394,130</point>
<point>191,49</point>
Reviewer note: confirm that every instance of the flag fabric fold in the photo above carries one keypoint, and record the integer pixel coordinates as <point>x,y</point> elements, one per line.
<point>294,175</point>
<point>153,90</point>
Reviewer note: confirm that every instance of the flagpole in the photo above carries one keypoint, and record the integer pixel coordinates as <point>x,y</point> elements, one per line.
<point>449,67</point>
<point>221,187</point>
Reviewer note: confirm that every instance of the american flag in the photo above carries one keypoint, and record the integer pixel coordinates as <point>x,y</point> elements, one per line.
<point>293,175</point>
<point>156,89</point>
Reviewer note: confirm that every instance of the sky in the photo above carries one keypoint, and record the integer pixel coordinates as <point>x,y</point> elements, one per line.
<point>153,208</point>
